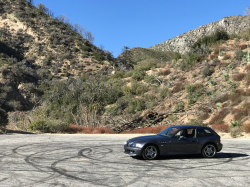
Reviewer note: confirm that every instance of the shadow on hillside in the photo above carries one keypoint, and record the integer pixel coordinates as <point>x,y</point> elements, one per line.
<point>17,132</point>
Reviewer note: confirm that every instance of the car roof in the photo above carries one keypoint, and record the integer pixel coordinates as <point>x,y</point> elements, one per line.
<point>189,126</point>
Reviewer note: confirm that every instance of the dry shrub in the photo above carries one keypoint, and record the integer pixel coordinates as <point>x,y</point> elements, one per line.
<point>242,46</point>
<point>146,130</point>
<point>247,92</point>
<point>239,114</point>
<point>220,127</point>
<point>239,77</point>
<point>247,79</point>
<point>178,87</point>
<point>247,67</point>
<point>236,132</point>
<point>236,98</point>
<point>72,128</point>
<point>246,127</point>
<point>213,56</point>
<point>220,97</point>
<point>88,130</point>
<point>219,116</point>
<point>226,57</point>
<point>89,70</point>
<point>217,49</point>
<point>166,72</point>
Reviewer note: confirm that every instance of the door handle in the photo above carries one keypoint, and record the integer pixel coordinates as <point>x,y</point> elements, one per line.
<point>193,141</point>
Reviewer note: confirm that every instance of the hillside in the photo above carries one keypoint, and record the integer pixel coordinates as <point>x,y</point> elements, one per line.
<point>35,48</point>
<point>184,42</point>
<point>53,79</point>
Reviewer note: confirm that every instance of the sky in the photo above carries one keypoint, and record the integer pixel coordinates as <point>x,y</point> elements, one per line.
<point>142,23</point>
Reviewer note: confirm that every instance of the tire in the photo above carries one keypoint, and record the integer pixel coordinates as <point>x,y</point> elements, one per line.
<point>209,151</point>
<point>150,152</point>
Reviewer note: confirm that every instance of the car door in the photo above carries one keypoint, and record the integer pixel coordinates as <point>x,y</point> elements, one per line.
<point>184,141</point>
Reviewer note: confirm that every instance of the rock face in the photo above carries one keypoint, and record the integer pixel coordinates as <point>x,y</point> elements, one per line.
<point>183,42</point>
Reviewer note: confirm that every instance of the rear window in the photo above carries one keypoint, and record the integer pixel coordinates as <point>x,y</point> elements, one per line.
<point>204,133</point>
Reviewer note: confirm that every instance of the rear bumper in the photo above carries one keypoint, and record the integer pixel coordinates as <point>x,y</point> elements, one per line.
<point>132,151</point>
<point>219,147</point>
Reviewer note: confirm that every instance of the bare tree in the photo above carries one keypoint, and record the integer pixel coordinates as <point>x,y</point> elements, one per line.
<point>42,7</point>
<point>31,1</point>
<point>89,36</point>
<point>76,27</point>
<point>81,31</point>
<point>61,18</point>
<point>247,11</point>
<point>50,13</point>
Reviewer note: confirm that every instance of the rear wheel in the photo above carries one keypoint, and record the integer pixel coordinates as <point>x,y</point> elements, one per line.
<point>209,151</point>
<point>150,152</point>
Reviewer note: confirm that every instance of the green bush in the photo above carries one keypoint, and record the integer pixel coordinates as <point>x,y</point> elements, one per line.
<point>152,80</point>
<point>188,61</point>
<point>238,54</point>
<point>211,39</point>
<point>197,122</point>
<point>3,119</point>
<point>177,56</point>
<point>190,88</point>
<point>164,92</point>
<point>236,132</point>
<point>135,105</point>
<point>207,71</point>
<point>212,82</point>
<point>178,107</point>
<point>49,126</point>
<point>236,124</point>
<point>118,107</point>
<point>138,74</point>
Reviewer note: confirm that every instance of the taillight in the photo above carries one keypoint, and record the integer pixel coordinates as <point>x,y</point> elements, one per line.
<point>219,140</point>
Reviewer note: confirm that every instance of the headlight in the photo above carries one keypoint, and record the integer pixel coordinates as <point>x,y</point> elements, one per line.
<point>125,143</point>
<point>138,145</point>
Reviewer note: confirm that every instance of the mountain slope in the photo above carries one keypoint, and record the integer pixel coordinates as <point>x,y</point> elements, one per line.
<point>184,42</point>
<point>35,47</point>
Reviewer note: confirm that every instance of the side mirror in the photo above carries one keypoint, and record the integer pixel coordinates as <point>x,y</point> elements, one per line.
<point>181,137</point>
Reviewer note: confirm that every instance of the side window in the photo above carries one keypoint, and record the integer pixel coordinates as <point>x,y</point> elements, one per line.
<point>187,133</point>
<point>203,133</point>
<point>180,133</point>
<point>190,133</point>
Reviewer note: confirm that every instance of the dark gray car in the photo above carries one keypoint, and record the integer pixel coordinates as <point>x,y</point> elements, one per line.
<point>183,139</point>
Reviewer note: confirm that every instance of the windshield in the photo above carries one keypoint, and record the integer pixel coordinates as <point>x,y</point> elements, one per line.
<point>169,132</point>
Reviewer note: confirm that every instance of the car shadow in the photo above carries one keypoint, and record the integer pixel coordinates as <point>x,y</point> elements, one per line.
<point>199,156</point>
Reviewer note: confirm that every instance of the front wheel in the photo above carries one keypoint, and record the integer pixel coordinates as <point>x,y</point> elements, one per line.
<point>209,151</point>
<point>150,152</point>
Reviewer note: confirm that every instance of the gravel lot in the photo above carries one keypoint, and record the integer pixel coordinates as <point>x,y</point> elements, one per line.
<point>98,160</point>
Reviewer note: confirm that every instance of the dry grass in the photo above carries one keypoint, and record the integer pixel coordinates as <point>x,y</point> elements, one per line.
<point>178,87</point>
<point>247,68</point>
<point>72,129</point>
<point>246,127</point>
<point>219,116</point>
<point>220,127</point>
<point>146,130</point>
<point>239,77</point>
<point>166,72</point>
<point>239,114</point>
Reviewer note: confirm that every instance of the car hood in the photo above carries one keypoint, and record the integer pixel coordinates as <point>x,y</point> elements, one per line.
<point>148,138</point>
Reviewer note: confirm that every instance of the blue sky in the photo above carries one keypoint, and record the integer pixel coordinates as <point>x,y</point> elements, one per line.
<point>142,23</point>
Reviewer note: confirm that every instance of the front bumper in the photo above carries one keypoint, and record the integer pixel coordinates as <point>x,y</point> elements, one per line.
<point>132,151</point>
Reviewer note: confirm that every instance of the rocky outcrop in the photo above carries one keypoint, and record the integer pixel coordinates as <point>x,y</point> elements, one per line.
<point>183,42</point>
